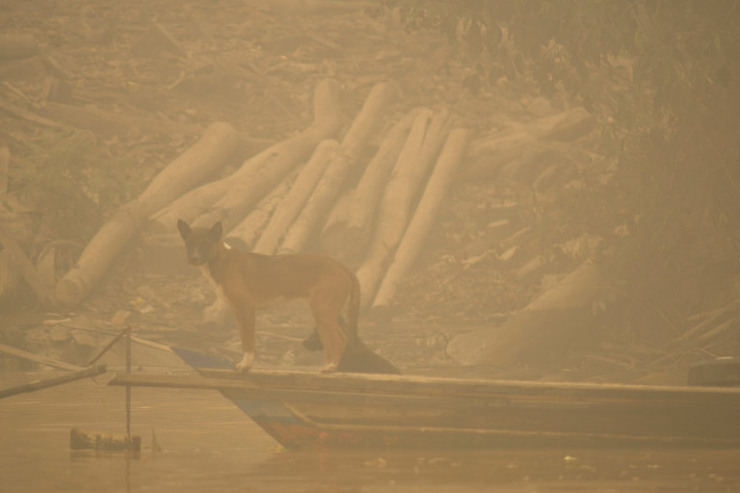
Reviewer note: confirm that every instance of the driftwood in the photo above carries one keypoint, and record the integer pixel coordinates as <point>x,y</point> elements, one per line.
<point>541,333</point>
<point>487,156</point>
<point>301,190</point>
<point>426,212</point>
<point>427,135</point>
<point>230,199</point>
<point>347,231</point>
<point>192,167</point>
<point>348,155</point>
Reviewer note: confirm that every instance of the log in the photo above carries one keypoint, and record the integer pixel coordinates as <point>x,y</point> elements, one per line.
<point>347,157</point>
<point>544,331</point>
<point>427,135</point>
<point>230,199</point>
<point>250,228</point>
<point>423,220</point>
<point>199,161</point>
<point>487,156</point>
<point>346,232</point>
<point>290,206</point>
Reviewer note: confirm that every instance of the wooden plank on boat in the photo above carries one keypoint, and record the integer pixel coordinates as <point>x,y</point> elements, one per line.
<point>428,386</point>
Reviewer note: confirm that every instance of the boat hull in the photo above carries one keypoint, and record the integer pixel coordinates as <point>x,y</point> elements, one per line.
<point>304,410</point>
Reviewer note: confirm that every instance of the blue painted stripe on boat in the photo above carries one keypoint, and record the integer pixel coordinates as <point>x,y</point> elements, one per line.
<point>263,409</point>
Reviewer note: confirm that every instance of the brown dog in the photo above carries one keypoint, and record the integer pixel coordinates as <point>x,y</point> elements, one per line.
<point>249,280</point>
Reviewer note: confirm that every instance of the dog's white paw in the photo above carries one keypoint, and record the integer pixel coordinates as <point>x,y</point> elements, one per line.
<point>329,368</point>
<point>246,363</point>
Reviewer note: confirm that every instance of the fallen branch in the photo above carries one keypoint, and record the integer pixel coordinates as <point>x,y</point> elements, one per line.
<point>199,161</point>
<point>487,156</point>
<point>53,382</point>
<point>426,212</point>
<point>42,360</point>
<point>347,156</point>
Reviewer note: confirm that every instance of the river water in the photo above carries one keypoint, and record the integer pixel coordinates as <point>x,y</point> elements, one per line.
<point>208,445</point>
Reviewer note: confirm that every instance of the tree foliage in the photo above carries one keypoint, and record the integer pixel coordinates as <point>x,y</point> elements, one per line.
<point>662,78</point>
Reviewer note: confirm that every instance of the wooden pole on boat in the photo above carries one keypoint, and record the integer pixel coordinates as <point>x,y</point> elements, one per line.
<point>108,346</point>
<point>128,388</point>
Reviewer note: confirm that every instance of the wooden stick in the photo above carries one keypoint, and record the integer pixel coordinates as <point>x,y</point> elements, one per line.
<point>424,216</point>
<point>327,190</point>
<point>52,382</point>
<point>42,360</point>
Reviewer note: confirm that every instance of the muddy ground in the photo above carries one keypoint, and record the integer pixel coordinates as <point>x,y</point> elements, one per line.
<point>255,65</point>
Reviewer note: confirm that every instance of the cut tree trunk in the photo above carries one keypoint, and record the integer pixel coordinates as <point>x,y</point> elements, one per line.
<point>542,333</point>
<point>299,193</point>
<point>487,156</point>
<point>347,231</point>
<point>251,227</point>
<point>192,167</point>
<point>426,212</point>
<point>229,200</point>
<point>427,135</point>
<point>347,157</point>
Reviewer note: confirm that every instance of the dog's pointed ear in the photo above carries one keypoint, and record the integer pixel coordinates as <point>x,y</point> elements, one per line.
<point>183,228</point>
<point>217,230</point>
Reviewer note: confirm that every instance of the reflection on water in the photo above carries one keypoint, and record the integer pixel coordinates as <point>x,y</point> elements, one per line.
<point>209,445</point>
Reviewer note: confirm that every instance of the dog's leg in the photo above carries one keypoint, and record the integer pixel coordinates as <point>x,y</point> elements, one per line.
<point>324,307</point>
<point>245,316</point>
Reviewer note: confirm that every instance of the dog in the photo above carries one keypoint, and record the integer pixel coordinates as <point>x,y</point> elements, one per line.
<point>248,281</point>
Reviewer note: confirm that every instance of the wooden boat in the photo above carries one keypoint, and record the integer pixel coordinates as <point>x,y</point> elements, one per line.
<point>311,410</point>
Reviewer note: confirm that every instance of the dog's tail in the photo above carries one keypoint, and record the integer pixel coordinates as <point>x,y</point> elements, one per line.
<point>358,358</point>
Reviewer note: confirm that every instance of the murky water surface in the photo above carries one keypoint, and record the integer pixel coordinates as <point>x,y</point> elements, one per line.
<point>209,445</point>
